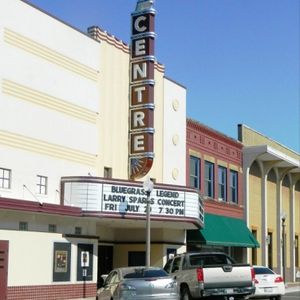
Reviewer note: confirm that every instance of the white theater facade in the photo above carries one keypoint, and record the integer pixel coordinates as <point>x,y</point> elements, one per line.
<point>70,206</point>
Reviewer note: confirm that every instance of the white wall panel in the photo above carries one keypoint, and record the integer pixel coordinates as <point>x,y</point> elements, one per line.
<point>36,255</point>
<point>38,122</point>
<point>31,71</point>
<point>174,133</point>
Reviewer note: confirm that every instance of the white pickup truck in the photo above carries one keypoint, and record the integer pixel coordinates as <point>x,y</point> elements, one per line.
<point>211,274</point>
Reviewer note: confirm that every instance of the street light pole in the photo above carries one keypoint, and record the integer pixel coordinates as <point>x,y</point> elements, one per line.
<point>148,187</point>
<point>283,218</point>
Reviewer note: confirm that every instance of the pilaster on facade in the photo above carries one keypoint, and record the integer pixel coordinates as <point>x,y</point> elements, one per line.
<point>248,160</point>
<point>292,227</point>
<point>281,214</point>
<point>265,168</point>
<point>294,178</point>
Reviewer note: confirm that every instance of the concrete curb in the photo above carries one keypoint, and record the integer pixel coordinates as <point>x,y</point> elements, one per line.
<point>91,298</point>
<point>292,287</point>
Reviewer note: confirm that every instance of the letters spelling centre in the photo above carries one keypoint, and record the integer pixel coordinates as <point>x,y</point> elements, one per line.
<point>141,109</point>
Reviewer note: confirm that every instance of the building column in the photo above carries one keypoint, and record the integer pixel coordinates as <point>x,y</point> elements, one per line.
<point>279,222</point>
<point>247,162</point>
<point>292,228</point>
<point>265,168</point>
<point>293,180</point>
<point>281,173</point>
<point>264,219</point>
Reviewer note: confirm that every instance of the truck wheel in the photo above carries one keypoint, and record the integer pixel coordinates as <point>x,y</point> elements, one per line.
<point>185,294</point>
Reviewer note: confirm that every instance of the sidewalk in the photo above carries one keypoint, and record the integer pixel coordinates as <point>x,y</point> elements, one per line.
<point>292,287</point>
<point>92,298</point>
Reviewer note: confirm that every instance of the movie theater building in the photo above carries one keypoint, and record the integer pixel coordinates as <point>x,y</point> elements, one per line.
<point>84,121</point>
<point>272,202</point>
<point>214,167</point>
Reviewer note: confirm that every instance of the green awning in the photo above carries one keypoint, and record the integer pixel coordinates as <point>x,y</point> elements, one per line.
<point>223,231</point>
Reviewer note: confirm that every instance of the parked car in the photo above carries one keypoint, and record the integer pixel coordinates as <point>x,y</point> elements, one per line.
<point>268,284</point>
<point>138,283</point>
<point>210,274</point>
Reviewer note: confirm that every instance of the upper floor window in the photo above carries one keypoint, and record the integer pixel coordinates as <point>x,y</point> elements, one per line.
<point>42,185</point>
<point>78,230</point>
<point>5,178</point>
<point>52,228</point>
<point>233,186</point>
<point>195,172</point>
<point>23,226</point>
<point>107,172</point>
<point>209,179</point>
<point>222,183</point>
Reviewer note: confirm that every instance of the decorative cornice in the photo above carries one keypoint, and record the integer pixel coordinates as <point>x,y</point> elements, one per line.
<point>159,67</point>
<point>206,140</point>
<point>193,124</point>
<point>101,35</point>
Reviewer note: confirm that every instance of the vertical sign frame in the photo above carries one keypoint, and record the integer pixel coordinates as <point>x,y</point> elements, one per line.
<point>141,106</point>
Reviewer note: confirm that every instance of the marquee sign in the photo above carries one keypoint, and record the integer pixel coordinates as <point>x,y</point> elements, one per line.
<point>141,107</point>
<point>127,200</point>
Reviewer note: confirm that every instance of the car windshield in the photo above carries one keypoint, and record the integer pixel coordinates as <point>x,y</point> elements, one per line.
<point>144,273</point>
<point>261,270</point>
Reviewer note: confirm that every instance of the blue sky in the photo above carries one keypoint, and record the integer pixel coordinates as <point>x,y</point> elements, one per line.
<point>238,59</point>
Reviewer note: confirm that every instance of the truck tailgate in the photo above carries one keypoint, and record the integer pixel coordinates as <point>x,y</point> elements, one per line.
<point>227,276</point>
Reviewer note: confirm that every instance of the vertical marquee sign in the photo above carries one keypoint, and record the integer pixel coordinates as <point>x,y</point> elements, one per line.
<point>141,107</point>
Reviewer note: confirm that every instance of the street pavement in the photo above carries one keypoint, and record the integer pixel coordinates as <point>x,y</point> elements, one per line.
<point>292,292</point>
<point>291,296</point>
<point>293,287</point>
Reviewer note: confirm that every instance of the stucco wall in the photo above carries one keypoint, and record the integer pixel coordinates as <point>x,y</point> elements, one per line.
<point>49,100</point>
<point>174,138</point>
<point>30,265</point>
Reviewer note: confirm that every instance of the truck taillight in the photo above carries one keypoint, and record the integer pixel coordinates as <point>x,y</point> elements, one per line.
<point>252,274</point>
<point>200,275</point>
